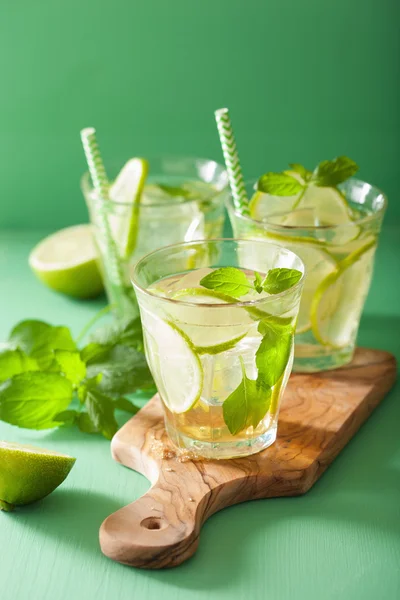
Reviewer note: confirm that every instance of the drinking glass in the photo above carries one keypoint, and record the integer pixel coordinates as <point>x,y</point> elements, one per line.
<point>339,263</point>
<point>220,364</point>
<point>162,220</point>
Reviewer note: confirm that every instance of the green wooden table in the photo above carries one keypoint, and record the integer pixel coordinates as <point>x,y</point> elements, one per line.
<point>340,541</point>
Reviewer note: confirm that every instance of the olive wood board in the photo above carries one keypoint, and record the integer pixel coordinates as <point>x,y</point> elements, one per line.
<point>320,413</point>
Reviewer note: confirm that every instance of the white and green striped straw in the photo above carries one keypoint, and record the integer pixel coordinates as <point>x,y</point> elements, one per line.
<point>100,183</point>
<point>231,158</point>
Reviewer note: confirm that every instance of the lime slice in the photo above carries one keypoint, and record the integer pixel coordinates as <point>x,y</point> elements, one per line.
<point>127,189</point>
<point>170,353</point>
<point>338,302</point>
<point>66,262</point>
<point>28,474</point>
<point>330,205</point>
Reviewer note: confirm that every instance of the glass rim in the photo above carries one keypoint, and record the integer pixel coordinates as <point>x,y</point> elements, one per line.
<point>87,185</point>
<point>247,303</point>
<point>360,221</point>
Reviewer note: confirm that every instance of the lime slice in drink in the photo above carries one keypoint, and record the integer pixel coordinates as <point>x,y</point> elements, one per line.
<point>127,189</point>
<point>170,353</point>
<point>339,299</point>
<point>28,474</point>
<point>66,262</point>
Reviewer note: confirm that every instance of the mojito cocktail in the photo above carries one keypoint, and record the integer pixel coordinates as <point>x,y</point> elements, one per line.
<point>218,334</point>
<point>333,224</point>
<point>154,203</point>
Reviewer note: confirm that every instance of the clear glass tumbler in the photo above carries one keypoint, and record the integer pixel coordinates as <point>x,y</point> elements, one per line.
<point>220,364</point>
<point>163,218</point>
<point>339,262</point>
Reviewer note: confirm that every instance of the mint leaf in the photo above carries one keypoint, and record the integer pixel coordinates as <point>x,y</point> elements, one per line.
<point>126,405</point>
<point>258,282</point>
<point>127,332</point>
<point>329,173</point>
<point>124,371</point>
<point>100,409</point>
<point>246,405</point>
<point>94,352</point>
<point>33,400</point>
<point>38,340</point>
<point>175,191</point>
<point>273,353</point>
<point>67,417</point>
<point>71,365</point>
<point>13,362</point>
<point>86,424</point>
<point>228,280</point>
<point>302,171</point>
<point>280,279</point>
<point>279,184</point>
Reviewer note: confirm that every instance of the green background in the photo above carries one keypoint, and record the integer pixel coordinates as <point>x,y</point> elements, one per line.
<point>305,80</point>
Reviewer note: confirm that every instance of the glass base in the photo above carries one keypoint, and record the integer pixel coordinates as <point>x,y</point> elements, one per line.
<point>222,450</point>
<point>310,358</point>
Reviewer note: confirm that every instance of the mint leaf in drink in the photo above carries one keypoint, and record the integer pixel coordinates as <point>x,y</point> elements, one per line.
<point>71,365</point>
<point>39,340</point>
<point>124,370</point>
<point>279,184</point>
<point>329,173</point>
<point>175,191</point>
<point>32,400</point>
<point>13,362</point>
<point>100,409</point>
<point>280,279</point>
<point>273,353</point>
<point>227,280</point>
<point>246,405</point>
<point>304,173</point>
<point>127,333</point>
<point>258,282</point>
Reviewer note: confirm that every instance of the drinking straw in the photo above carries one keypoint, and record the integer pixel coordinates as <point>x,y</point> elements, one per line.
<point>231,158</point>
<point>100,184</point>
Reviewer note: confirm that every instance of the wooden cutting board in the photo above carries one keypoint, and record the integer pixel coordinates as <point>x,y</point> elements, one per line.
<point>320,413</point>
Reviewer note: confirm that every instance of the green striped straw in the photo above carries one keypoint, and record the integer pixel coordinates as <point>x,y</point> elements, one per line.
<point>231,158</point>
<point>100,183</point>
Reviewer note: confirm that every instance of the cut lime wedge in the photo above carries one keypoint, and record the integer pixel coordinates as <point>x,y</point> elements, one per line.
<point>28,474</point>
<point>338,301</point>
<point>66,262</point>
<point>127,189</point>
<point>170,353</point>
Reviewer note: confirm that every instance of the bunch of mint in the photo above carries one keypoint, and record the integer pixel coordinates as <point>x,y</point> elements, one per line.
<point>42,371</point>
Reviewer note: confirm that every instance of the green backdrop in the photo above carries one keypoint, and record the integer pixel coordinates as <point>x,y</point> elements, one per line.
<point>305,80</point>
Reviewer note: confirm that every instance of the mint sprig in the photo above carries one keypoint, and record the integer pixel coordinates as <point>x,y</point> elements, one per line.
<point>329,173</point>
<point>250,401</point>
<point>235,283</point>
<point>43,375</point>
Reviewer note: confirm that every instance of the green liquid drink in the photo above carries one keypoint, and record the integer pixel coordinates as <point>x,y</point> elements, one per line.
<point>220,350</point>
<point>334,229</point>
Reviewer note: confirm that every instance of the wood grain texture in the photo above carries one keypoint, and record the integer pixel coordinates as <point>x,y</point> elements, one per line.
<point>320,413</point>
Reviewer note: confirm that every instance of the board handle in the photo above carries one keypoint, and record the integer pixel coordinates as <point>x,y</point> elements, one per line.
<point>159,530</point>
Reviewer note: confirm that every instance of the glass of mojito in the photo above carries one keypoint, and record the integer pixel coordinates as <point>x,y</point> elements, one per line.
<point>218,320</point>
<point>153,203</point>
<point>332,221</point>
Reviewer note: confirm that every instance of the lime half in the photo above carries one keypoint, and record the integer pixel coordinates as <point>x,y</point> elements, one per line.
<point>66,262</point>
<point>28,474</point>
<point>170,353</point>
<point>338,302</point>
